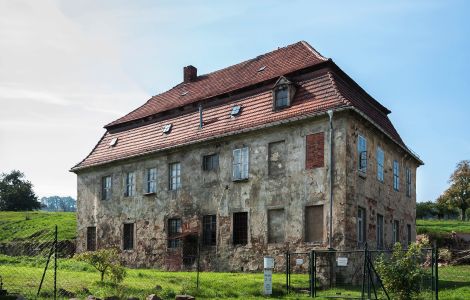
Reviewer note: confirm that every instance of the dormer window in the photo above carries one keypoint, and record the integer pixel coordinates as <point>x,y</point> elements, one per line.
<point>283,92</point>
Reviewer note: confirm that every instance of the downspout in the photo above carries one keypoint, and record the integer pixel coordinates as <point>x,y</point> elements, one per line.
<point>201,123</point>
<point>330,180</point>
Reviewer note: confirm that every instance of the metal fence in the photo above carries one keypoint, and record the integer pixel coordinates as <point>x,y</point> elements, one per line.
<point>29,266</point>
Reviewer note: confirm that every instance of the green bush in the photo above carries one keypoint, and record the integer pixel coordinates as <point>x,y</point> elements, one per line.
<point>106,261</point>
<point>402,273</point>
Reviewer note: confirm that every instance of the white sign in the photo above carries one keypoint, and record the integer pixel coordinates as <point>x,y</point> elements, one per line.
<point>268,281</point>
<point>268,262</point>
<point>342,261</point>
<point>299,261</point>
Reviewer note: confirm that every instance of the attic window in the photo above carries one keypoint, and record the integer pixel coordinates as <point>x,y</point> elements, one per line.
<point>235,110</point>
<point>166,129</point>
<point>283,93</point>
<point>261,69</point>
<point>184,93</point>
<point>113,142</point>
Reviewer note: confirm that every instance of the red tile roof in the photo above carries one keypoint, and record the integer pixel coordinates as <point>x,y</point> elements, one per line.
<point>277,63</point>
<point>315,95</point>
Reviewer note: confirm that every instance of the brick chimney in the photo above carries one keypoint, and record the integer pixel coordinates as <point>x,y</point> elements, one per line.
<point>190,74</point>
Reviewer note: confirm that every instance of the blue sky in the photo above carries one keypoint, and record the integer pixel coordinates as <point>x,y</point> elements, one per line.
<point>69,67</point>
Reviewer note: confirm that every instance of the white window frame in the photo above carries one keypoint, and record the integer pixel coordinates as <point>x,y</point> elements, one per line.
<point>129,183</point>
<point>396,175</point>
<point>151,180</point>
<point>175,176</point>
<point>362,153</point>
<point>106,187</point>
<point>380,164</point>
<point>240,166</point>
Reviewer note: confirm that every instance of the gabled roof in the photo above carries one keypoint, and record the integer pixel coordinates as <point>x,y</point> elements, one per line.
<point>276,63</point>
<point>327,88</point>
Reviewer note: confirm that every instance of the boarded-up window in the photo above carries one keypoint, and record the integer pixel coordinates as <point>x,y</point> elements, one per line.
<point>209,230</point>
<point>128,237</point>
<point>277,158</point>
<point>91,238</point>
<point>314,223</point>
<point>276,225</point>
<point>240,228</point>
<point>315,150</point>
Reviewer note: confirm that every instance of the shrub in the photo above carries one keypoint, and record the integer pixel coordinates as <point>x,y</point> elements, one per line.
<point>402,273</point>
<point>106,261</point>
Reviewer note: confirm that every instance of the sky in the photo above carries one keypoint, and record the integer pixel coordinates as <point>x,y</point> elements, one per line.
<point>67,68</point>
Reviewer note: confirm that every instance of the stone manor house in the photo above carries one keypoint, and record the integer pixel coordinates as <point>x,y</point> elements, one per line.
<point>282,151</point>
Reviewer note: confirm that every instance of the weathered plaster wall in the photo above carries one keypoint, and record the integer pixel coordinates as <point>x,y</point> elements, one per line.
<point>214,192</point>
<point>375,196</point>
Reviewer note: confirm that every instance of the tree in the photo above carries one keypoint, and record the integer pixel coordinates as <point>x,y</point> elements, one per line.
<point>458,194</point>
<point>16,193</point>
<point>106,261</point>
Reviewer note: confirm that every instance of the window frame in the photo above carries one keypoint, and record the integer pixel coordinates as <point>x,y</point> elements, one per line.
<point>362,154</point>
<point>129,184</point>
<point>176,185</point>
<point>284,87</point>
<point>128,245</point>
<point>151,175</point>
<point>209,230</point>
<point>380,164</point>
<point>243,163</point>
<point>106,191</point>
<point>361,226</point>
<point>396,175</point>
<point>395,231</point>
<point>210,162</point>
<point>380,231</point>
<point>408,181</point>
<point>240,235</point>
<point>174,236</point>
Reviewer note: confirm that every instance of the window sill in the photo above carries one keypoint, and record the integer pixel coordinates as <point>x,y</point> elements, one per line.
<point>150,194</point>
<point>362,174</point>
<point>127,250</point>
<point>240,180</point>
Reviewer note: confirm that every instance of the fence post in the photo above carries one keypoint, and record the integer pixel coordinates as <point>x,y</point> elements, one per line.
<point>287,271</point>
<point>55,263</point>
<point>314,274</point>
<point>436,283</point>
<point>198,264</point>
<point>364,272</point>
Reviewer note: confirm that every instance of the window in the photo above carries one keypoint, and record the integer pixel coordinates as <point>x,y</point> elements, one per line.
<point>396,231</point>
<point>151,182</point>
<point>209,230</point>
<point>128,238</point>
<point>396,176</point>
<point>210,162</point>
<point>130,184</point>
<point>240,228</point>
<point>174,233</point>
<point>276,158</point>
<point>276,225</point>
<point>281,95</point>
<point>408,182</point>
<point>380,164</point>
<point>91,238</point>
<point>106,188</point>
<point>314,151</point>
<point>362,153</point>
<point>314,224</point>
<point>380,231</point>
<point>240,163</point>
<point>175,176</point>
<point>408,234</point>
<point>361,226</point>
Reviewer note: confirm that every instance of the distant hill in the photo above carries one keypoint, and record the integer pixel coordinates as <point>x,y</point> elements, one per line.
<point>57,203</point>
<point>17,226</point>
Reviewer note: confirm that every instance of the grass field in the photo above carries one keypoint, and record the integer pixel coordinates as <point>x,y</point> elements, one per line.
<point>442,226</point>
<point>23,275</point>
<point>24,225</point>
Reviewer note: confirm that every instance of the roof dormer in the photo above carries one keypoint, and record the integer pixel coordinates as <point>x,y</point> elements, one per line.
<point>283,93</point>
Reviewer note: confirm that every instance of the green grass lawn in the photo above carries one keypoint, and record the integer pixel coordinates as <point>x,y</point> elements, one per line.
<point>23,275</point>
<point>442,226</point>
<point>37,224</point>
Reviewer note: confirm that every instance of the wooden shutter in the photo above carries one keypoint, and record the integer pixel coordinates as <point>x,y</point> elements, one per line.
<point>315,149</point>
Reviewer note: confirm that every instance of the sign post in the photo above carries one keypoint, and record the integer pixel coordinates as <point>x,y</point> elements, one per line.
<point>268,275</point>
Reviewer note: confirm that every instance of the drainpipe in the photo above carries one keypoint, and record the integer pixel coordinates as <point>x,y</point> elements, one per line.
<point>200,116</point>
<point>330,179</point>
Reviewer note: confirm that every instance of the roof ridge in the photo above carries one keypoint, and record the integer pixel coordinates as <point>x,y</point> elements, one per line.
<point>314,51</point>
